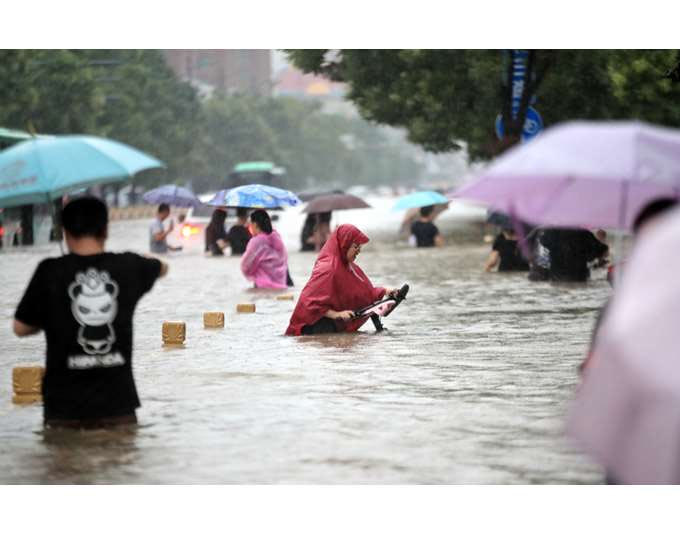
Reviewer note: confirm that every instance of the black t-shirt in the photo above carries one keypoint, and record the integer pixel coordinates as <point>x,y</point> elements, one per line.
<point>510,254</point>
<point>570,252</point>
<point>238,237</point>
<point>212,234</point>
<point>425,232</point>
<point>84,304</point>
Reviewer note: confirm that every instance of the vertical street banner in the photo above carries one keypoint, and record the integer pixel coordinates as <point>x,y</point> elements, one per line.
<point>519,67</point>
<point>533,122</point>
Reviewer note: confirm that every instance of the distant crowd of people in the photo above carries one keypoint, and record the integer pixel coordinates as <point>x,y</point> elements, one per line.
<point>264,259</point>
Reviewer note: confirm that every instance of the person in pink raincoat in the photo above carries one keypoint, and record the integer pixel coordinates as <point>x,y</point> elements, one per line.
<point>265,260</point>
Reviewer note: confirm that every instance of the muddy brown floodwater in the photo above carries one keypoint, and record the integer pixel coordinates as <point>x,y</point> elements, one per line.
<point>469,384</point>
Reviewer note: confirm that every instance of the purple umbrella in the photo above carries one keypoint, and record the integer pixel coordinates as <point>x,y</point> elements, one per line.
<point>627,411</point>
<point>172,195</point>
<point>596,174</point>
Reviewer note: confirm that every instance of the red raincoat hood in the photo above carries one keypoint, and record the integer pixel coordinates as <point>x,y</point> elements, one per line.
<point>335,284</point>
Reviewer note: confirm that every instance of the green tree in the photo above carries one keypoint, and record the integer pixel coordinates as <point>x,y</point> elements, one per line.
<point>128,95</point>
<point>449,98</point>
<point>49,91</point>
<point>297,135</point>
<point>146,106</point>
<point>134,97</point>
<point>233,130</point>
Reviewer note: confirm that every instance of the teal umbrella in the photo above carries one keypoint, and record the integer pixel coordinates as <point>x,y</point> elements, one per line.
<point>43,169</point>
<point>420,199</point>
<point>13,136</point>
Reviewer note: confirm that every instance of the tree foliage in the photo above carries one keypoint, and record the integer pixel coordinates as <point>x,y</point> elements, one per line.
<point>314,147</point>
<point>48,91</point>
<point>133,96</point>
<point>447,99</point>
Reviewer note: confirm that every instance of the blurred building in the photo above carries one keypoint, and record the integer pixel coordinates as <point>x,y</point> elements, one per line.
<point>228,71</point>
<point>292,82</point>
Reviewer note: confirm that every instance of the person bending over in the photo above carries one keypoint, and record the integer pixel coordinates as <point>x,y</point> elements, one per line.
<point>570,251</point>
<point>506,254</point>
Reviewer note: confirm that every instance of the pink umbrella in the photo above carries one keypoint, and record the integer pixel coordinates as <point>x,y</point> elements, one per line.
<point>596,174</point>
<point>627,411</point>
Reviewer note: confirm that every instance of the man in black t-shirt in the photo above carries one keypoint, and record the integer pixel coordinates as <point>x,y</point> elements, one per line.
<point>84,302</point>
<point>238,235</point>
<point>505,253</point>
<point>424,231</point>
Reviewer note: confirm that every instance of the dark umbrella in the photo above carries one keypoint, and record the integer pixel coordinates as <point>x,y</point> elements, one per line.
<point>335,202</point>
<point>309,194</point>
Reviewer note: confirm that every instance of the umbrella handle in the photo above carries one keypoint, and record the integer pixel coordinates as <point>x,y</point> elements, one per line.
<point>519,230</point>
<point>53,213</point>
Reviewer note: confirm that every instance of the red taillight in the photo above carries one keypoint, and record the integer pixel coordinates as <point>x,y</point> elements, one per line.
<point>189,230</point>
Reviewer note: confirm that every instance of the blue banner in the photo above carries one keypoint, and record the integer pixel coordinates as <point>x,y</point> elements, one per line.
<point>519,67</point>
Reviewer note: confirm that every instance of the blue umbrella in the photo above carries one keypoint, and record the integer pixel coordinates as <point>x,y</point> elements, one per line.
<point>420,199</point>
<point>254,196</point>
<point>43,169</point>
<point>173,195</point>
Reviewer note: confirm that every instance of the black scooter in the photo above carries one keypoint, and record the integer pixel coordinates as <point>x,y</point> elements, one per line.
<point>382,308</point>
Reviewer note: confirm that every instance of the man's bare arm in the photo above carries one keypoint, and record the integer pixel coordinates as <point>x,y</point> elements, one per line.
<point>23,329</point>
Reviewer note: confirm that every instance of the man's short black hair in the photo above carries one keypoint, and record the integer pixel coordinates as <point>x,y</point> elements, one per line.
<point>162,208</point>
<point>241,212</point>
<point>85,216</point>
<point>426,211</point>
<point>654,208</point>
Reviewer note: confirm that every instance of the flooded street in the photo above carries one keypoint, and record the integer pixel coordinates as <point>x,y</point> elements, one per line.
<point>469,384</point>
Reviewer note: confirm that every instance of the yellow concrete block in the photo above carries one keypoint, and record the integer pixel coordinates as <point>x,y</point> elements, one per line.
<point>27,380</point>
<point>245,308</point>
<point>174,333</point>
<point>213,319</point>
<point>26,398</point>
<point>285,297</point>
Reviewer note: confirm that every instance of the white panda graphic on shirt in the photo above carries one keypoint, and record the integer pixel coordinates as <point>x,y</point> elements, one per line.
<point>94,306</point>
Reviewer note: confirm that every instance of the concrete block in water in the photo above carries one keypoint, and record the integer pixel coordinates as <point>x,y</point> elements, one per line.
<point>213,320</point>
<point>245,308</point>
<point>27,384</point>
<point>285,297</point>
<point>26,399</point>
<point>174,333</point>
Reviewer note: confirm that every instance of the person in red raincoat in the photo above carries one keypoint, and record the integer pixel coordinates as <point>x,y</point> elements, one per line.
<point>336,288</point>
